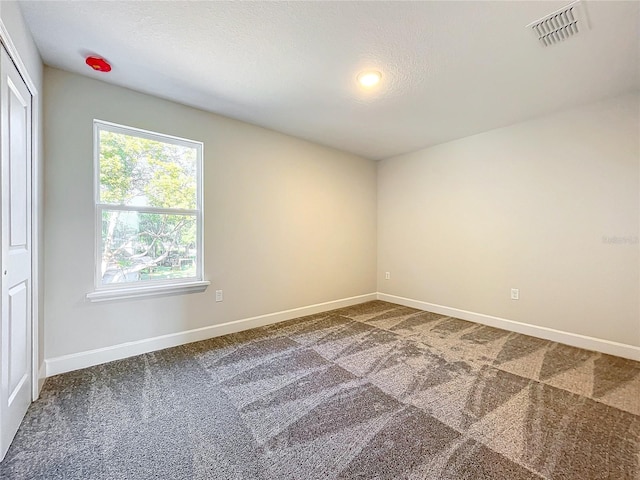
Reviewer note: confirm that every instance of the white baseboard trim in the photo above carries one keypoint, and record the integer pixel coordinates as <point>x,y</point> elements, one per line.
<point>76,361</point>
<point>574,339</point>
<point>42,376</point>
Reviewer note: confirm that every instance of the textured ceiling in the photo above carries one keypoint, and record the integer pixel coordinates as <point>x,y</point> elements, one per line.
<point>450,69</point>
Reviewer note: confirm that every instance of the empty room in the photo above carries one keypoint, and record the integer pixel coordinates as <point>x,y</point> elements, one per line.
<point>320,240</point>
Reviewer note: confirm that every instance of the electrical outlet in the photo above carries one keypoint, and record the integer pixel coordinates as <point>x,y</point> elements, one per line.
<point>515,294</point>
<point>218,295</point>
<point>387,276</point>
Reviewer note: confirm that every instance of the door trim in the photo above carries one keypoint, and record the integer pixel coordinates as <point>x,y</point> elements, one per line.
<point>36,175</point>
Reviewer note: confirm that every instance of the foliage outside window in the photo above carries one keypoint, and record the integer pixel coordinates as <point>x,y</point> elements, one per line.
<point>148,206</point>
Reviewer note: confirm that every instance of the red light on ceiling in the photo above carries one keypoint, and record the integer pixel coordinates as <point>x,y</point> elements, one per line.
<point>98,64</point>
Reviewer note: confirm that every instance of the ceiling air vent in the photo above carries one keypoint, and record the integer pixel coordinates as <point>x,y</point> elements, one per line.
<point>561,24</point>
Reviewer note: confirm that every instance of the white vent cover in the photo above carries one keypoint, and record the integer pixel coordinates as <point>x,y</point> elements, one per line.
<point>561,24</point>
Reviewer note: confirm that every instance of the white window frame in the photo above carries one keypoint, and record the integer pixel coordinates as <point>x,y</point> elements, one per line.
<point>149,288</point>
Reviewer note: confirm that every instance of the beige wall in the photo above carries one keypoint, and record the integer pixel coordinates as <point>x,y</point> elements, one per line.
<point>288,223</point>
<point>549,206</point>
<point>527,206</point>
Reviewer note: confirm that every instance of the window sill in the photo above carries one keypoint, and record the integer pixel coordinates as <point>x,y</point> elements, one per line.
<point>148,291</point>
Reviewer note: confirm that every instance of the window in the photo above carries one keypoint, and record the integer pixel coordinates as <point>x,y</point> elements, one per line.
<point>148,213</point>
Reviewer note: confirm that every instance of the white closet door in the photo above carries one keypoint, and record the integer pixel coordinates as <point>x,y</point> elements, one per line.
<point>15,336</point>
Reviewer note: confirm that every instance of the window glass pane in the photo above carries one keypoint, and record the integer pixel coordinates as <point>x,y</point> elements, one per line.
<point>147,246</point>
<point>136,171</point>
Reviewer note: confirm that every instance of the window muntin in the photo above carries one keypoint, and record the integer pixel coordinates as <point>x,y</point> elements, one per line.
<point>148,207</point>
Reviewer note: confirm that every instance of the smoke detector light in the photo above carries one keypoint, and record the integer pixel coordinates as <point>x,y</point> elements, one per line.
<point>369,79</point>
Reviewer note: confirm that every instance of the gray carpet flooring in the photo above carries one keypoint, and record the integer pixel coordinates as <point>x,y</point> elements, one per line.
<point>371,391</point>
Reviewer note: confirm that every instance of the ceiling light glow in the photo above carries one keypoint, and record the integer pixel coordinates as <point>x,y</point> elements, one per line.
<point>369,79</point>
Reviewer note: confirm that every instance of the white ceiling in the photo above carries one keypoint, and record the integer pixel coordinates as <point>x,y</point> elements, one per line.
<point>450,69</point>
